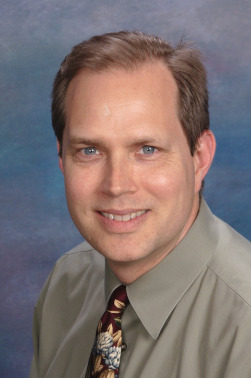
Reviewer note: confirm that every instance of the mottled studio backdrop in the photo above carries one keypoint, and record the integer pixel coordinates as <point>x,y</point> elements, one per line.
<point>34,37</point>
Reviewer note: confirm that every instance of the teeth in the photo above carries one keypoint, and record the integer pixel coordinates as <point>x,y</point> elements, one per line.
<point>123,218</point>
<point>126,217</point>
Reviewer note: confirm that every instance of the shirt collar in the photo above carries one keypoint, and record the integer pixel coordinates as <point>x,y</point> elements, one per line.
<point>155,294</point>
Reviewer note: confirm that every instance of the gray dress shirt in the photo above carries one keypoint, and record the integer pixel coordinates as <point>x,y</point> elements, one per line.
<point>189,317</point>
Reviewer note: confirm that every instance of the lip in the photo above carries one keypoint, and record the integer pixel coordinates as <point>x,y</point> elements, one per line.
<point>122,224</point>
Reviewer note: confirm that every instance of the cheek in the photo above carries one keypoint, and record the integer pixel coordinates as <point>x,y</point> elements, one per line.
<point>78,186</point>
<point>72,192</point>
<point>175,181</point>
<point>160,182</point>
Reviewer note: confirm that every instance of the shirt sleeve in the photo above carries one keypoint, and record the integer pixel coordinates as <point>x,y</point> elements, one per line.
<point>239,364</point>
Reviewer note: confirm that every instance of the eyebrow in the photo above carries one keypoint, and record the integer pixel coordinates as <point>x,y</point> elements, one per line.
<point>99,142</point>
<point>86,141</point>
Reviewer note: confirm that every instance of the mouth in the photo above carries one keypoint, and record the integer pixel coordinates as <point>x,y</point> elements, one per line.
<point>123,217</point>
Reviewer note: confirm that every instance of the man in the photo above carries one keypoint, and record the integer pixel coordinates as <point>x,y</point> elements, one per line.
<point>130,114</point>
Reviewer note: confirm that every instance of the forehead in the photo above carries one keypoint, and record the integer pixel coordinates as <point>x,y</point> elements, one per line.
<point>153,77</point>
<point>122,103</point>
<point>124,108</point>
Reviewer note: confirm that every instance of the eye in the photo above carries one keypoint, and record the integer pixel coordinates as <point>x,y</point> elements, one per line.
<point>148,149</point>
<point>89,151</point>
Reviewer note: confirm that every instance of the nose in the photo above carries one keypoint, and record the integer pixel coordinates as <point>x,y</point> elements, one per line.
<point>119,177</point>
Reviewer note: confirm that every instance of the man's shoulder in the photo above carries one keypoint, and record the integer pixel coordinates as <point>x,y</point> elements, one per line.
<point>231,261</point>
<point>79,258</point>
<point>76,270</point>
<point>83,251</point>
<point>83,247</point>
<point>231,238</point>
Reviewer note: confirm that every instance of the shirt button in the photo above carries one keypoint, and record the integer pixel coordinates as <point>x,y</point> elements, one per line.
<point>123,347</point>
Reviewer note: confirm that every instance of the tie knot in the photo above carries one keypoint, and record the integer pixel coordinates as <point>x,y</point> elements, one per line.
<point>118,300</point>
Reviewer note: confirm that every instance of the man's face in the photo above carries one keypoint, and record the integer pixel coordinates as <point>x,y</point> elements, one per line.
<point>130,179</point>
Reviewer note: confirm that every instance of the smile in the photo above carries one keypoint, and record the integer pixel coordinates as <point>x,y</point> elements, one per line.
<point>123,218</point>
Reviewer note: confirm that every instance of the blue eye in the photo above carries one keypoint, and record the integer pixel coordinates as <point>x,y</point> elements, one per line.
<point>148,149</point>
<point>90,151</point>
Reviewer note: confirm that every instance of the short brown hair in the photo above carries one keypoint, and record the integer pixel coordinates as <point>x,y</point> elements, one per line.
<point>129,50</point>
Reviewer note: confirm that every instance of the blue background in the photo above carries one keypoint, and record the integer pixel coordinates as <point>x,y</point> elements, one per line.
<point>35,226</point>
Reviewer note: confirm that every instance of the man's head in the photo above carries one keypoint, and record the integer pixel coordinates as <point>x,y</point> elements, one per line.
<point>128,51</point>
<point>132,171</point>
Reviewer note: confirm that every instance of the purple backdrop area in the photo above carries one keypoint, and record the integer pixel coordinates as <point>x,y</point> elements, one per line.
<point>35,225</point>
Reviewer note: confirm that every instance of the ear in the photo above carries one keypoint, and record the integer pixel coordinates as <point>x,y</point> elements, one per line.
<point>203,157</point>
<point>60,160</point>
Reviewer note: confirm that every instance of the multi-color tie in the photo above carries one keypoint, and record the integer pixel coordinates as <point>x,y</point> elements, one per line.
<point>105,356</point>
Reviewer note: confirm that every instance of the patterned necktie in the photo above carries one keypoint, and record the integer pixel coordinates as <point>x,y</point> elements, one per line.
<point>105,356</point>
